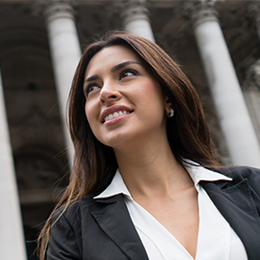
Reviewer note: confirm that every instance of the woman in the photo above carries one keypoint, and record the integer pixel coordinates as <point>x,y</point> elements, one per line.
<point>140,186</point>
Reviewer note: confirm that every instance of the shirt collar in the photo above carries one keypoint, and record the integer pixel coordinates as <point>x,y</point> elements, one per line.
<point>197,174</point>
<point>117,186</point>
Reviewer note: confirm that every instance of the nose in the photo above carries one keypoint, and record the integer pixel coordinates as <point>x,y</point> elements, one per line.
<point>109,93</point>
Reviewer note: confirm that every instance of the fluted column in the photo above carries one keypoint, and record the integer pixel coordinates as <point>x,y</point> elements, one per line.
<point>230,105</point>
<point>135,18</point>
<point>65,52</point>
<point>12,242</point>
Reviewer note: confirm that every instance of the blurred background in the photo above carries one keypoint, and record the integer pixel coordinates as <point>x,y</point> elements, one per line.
<point>216,43</point>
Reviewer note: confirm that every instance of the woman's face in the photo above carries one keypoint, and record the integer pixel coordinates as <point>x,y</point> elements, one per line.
<point>124,103</point>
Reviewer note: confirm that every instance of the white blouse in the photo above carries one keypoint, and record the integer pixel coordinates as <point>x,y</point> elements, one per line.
<point>216,239</point>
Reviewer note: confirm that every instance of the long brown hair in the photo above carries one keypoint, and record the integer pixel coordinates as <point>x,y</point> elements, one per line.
<point>94,163</point>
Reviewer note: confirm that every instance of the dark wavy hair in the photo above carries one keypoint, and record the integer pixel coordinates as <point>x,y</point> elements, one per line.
<point>94,163</point>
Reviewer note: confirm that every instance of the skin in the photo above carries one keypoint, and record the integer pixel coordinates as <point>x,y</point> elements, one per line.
<point>150,171</point>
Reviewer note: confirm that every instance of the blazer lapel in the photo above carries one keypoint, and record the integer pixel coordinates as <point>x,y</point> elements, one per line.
<point>237,206</point>
<point>113,218</point>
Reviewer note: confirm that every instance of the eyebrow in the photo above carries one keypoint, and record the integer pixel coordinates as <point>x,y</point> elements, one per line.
<point>92,78</point>
<point>123,64</point>
<point>115,68</point>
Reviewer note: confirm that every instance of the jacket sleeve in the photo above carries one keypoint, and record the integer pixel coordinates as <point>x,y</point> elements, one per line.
<point>63,243</point>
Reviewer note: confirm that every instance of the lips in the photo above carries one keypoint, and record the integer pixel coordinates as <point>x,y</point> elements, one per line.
<point>114,112</point>
<point>115,115</point>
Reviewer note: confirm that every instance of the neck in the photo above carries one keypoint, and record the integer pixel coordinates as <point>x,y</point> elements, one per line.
<point>152,170</point>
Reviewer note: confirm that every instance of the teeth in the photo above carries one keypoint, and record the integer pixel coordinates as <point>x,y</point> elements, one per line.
<point>116,114</point>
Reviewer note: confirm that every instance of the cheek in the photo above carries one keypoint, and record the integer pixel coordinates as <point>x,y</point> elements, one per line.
<point>86,111</point>
<point>153,95</point>
<point>90,115</point>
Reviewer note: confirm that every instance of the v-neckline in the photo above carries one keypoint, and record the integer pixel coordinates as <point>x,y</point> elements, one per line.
<point>211,231</point>
<point>166,233</point>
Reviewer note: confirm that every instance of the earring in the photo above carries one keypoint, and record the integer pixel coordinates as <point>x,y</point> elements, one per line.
<point>171,113</point>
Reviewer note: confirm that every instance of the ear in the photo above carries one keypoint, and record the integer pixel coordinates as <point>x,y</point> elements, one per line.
<point>167,105</point>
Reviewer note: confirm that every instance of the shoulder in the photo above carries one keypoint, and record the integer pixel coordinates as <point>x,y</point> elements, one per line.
<point>68,223</point>
<point>243,173</point>
<point>65,241</point>
<point>75,210</point>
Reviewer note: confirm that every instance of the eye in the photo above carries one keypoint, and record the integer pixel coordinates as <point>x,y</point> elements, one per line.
<point>127,73</point>
<point>91,88</point>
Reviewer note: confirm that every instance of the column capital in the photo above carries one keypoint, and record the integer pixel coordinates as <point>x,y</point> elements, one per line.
<point>253,76</point>
<point>201,11</point>
<point>129,3</point>
<point>53,9</point>
<point>132,10</point>
<point>59,9</point>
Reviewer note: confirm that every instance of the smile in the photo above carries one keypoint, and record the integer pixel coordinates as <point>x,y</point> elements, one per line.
<point>115,115</point>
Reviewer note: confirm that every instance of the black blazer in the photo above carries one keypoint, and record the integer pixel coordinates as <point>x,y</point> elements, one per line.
<point>103,230</point>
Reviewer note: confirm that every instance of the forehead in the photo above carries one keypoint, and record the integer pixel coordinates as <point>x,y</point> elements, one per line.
<point>111,56</point>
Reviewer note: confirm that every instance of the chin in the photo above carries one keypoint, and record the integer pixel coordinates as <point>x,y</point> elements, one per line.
<point>115,143</point>
<point>117,140</point>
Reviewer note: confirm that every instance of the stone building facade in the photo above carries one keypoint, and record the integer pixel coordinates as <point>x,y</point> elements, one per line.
<point>215,42</point>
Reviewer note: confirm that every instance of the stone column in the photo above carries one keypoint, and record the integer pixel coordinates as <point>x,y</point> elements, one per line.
<point>136,20</point>
<point>12,242</point>
<point>251,87</point>
<point>251,90</point>
<point>65,52</point>
<point>231,108</point>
